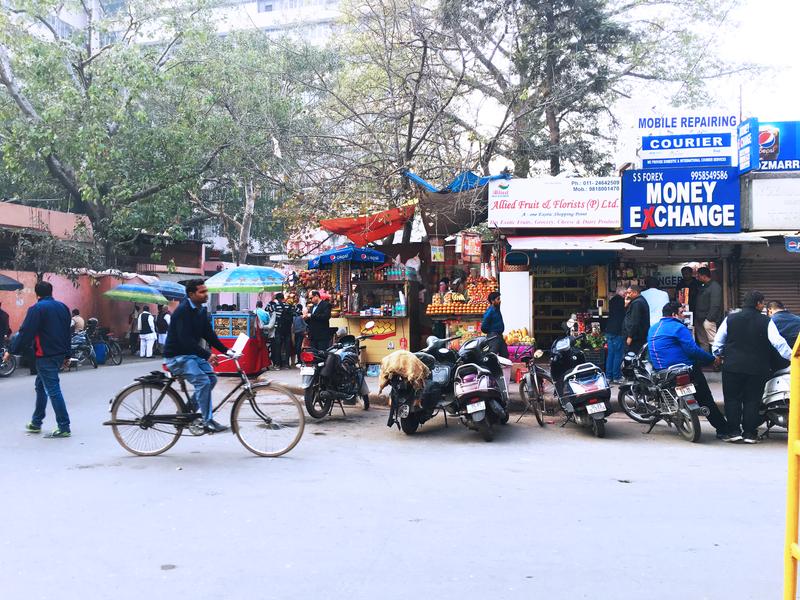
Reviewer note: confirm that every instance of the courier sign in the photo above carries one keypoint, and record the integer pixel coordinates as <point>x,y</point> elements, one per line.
<point>673,201</point>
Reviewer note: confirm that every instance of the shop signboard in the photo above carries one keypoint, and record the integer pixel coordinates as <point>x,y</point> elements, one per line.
<point>779,146</point>
<point>555,202</point>
<point>748,145</point>
<point>686,140</point>
<point>674,201</point>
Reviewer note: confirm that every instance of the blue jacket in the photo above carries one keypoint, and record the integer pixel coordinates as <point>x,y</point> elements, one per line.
<point>47,327</point>
<point>190,324</point>
<point>670,343</point>
<point>492,321</point>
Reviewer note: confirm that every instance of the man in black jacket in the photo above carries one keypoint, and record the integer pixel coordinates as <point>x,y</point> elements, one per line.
<point>185,356</point>
<point>709,310</point>
<point>47,329</point>
<point>745,340</point>
<point>319,322</point>
<point>282,340</point>
<point>637,319</point>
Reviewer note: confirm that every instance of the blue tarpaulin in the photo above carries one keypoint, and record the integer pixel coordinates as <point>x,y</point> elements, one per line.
<point>463,181</point>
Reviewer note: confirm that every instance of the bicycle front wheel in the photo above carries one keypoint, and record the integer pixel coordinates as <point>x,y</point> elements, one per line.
<point>114,353</point>
<point>269,421</point>
<point>130,423</point>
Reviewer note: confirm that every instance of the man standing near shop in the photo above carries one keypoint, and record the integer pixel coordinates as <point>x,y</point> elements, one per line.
<point>133,320</point>
<point>493,326</point>
<point>282,341</point>
<point>669,343</point>
<point>708,311</point>
<point>614,339</point>
<point>637,319</point>
<point>788,325</point>
<point>318,319</point>
<point>46,328</point>
<point>147,333</point>
<point>688,285</point>
<point>656,299</point>
<point>162,326</point>
<point>745,341</point>
<point>77,324</point>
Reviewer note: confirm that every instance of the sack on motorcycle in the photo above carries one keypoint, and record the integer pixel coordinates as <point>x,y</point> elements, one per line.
<point>332,362</point>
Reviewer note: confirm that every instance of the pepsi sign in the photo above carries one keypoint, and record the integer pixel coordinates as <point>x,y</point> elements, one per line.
<point>779,146</point>
<point>792,243</point>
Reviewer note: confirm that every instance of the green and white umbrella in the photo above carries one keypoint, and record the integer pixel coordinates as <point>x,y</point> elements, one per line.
<point>246,279</point>
<point>136,292</point>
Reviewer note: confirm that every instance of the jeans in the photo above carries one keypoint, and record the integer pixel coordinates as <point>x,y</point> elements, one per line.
<point>742,393</point>
<point>199,372</point>
<point>298,345</point>
<point>48,386</point>
<point>705,398</point>
<point>281,349</point>
<point>616,349</point>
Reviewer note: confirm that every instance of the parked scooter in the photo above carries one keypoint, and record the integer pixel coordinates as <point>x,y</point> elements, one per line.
<point>649,396</point>
<point>480,388</point>
<point>409,407</point>
<point>774,408</point>
<point>334,375</point>
<point>580,386</point>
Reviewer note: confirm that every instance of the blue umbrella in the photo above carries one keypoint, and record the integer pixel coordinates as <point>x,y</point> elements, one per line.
<point>136,292</point>
<point>170,289</point>
<point>246,279</point>
<point>348,253</point>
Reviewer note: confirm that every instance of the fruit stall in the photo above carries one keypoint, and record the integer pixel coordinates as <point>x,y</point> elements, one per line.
<point>462,313</point>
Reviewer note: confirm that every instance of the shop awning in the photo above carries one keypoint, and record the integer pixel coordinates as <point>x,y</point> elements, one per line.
<point>369,228</point>
<point>716,238</point>
<point>564,243</point>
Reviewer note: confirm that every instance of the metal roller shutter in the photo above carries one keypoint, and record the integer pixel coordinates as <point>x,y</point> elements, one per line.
<point>778,280</point>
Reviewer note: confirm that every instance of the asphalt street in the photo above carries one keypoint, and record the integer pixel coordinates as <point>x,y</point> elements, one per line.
<point>357,510</point>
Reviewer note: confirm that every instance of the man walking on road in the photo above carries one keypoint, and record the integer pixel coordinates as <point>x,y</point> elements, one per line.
<point>745,341</point>
<point>147,333</point>
<point>46,327</point>
<point>319,322</point>
<point>184,355</point>
<point>669,343</point>
<point>637,320</point>
<point>709,309</point>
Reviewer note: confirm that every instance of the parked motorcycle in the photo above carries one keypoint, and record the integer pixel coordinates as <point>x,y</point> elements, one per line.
<point>481,394</point>
<point>334,375</point>
<point>649,396</point>
<point>8,367</point>
<point>410,408</point>
<point>581,387</point>
<point>774,408</point>
<point>82,351</point>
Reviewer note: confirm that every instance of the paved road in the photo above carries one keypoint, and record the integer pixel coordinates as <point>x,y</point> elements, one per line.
<point>360,511</point>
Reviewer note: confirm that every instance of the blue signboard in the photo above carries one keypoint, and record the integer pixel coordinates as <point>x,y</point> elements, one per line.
<point>779,146</point>
<point>792,243</point>
<point>688,140</point>
<point>681,200</point>
<point>748,145</point>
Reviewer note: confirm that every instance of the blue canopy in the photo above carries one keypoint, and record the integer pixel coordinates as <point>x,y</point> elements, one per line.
<point>463,181</point>
<point>348,253</point>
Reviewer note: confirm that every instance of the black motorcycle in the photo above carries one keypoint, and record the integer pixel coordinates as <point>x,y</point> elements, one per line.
<point>409,408</point>
<point>334,375</point>
<point>649,396</point>
<point>81,352</point>
<point>581,387</point>
<point>8,367</point>
<point>481,395</point>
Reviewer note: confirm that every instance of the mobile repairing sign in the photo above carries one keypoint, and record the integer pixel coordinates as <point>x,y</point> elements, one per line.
<point>688,140</point>
<point>555,202</point>
<point>699,200</point>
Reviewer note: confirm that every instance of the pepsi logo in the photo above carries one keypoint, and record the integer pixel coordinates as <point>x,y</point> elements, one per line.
<point>363,256</point>
<point>766,138</point>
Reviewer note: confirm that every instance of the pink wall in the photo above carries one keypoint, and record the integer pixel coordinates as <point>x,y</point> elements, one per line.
<point>60,224</point>
<point>87,297</point>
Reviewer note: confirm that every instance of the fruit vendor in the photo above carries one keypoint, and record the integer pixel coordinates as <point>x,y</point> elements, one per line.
<point>493,327</point>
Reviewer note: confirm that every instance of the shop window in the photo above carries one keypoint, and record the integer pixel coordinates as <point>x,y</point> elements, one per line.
<point>265,6</point>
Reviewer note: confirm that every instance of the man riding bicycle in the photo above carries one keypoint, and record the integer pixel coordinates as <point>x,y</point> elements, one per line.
<point>185,356</point>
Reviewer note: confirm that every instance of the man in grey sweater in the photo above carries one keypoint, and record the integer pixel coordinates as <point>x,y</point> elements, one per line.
<point>709,309</point>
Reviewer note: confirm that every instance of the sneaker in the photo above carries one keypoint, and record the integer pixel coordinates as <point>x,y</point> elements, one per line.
<point>749,440</point>
<point>732,438</point>
<point>213,427</point>
<point>60,433</point>
<point>31,428</point>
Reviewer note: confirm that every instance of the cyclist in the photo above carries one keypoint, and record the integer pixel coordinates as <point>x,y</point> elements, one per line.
<point>185,356</point>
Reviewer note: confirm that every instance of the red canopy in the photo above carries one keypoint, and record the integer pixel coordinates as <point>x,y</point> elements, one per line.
<point>369,228</point>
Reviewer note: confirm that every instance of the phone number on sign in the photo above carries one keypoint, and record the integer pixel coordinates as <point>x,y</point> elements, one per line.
<point>707,175</point>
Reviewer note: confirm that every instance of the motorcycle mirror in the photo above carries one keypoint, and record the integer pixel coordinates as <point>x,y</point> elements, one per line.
<point>368,325</point>
<point>570,323</point>
<point>430,340</point>
<point>538,354</point>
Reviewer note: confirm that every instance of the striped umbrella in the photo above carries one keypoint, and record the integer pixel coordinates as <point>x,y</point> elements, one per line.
<point>246,279</point>
<point>136,292</point>
<point>169,289</point>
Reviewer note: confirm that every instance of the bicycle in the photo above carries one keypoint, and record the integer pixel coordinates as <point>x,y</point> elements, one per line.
<point>148,417</point>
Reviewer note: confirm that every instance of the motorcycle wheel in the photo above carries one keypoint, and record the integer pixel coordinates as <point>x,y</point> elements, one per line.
<point>598,428</point>
<point>315,406</point>
<point>409,424</point>
<point>626,398</point>
<point>7,368</point>
<point>688,425</point>
<point>486,430</point>
<point>535,402</point>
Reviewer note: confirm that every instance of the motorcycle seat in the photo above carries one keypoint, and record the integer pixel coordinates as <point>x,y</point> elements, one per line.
<point>782,372</point>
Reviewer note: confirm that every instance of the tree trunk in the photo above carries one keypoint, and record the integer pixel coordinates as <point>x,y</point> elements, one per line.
<point>555,140</point>
<point>554,133</point>
<point>251,190</point>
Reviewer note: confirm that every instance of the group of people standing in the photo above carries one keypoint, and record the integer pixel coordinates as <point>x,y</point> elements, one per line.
<point>148,332</point>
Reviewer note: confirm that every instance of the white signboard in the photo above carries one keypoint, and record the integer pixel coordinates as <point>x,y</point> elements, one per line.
<point>776,203</point>
<point>688,140</point>
<point>553,202</point>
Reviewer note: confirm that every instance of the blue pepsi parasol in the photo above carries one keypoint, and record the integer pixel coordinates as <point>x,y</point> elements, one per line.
<point>348,253</point>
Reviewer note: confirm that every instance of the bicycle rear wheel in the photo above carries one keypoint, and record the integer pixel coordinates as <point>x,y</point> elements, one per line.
<point>114,353</point>
<point>270,421</point>
<point>129,419</point>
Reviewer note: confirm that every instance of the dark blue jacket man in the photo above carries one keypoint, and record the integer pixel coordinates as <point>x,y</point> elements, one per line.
<point>669,342</point>
<point>47,328</point>
<point>788,326</point>
<point>492,325</point>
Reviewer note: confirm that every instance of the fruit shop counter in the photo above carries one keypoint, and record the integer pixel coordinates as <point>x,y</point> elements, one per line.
<point>388,334</point>
<point>228,326</point>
